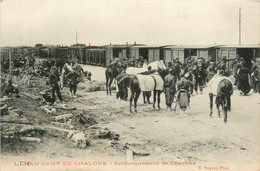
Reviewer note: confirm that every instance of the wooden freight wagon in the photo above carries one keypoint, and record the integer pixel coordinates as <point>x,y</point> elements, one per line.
<point>117,51</point>
<point>77,51</point>
<point>232,51</point>
<point>95,57</point>
<point>150,53</point>
<point>57,52</point>
<point>182,52</point>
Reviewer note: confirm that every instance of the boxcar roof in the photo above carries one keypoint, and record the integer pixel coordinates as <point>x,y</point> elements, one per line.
<point>150,46</point>
<point>240,46</point>
<point>191,46</point>
<point>121,45</point>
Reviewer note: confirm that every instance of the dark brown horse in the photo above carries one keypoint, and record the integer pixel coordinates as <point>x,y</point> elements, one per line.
<point>111,74</point>
<point>155,85</point>
<point>122,83</point>
<point>222,88</point>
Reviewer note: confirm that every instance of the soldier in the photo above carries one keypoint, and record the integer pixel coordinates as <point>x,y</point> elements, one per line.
<point>254,67</point>
<point>169,88</point>
<point>54,80</point>
<point>203,63</point>
<point>184,84</point>
<point>145,64</point>
<point>9,88</point>
<point>73,80</point>
<point>186,65</point>
<point>147,94</point>
<point>178,66</point>
<point>200,76</point>
<point>79,70</point>
<point>211,71</point>
<point>210,60</point>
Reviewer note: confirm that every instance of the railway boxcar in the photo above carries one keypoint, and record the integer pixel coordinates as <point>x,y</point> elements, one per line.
<point>182,52</point>
<point>58,52</point>
<point>118,51</point>
<point>95,56</point>
<point>150,53</point>
<point>77,51</point>
<point>232,51</point>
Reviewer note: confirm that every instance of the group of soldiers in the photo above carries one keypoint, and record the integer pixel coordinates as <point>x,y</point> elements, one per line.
<point>194,74</point>
<point>21,65</point>
<point>24,66</point>
<point>72,74</point>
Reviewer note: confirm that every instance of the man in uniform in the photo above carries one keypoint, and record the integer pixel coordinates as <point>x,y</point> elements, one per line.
<point>169,88</point>
<point>73,80</point>
<point>211,71</point>
<point>9,88</point>
<point>178,66</point>
<point>254,67</point>
<point>147,94</point>
<point>79,70</point>
<point>54,82</point>
<point>200,76</point>
<point>184,84</point>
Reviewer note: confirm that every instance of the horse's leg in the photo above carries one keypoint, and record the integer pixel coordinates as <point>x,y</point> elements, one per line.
<point>226,107</point>
<point>131,99</point>
<point>225,114</point>
<point>148,97</point>
<point>218,104</point>
<point>136,98</point>
<point>228,103</point>
<point>107,83</point>
<point>109,86</point>
<point>144,97</point>
<point>159,99</point>
<point>211,104</point>
<point>154,98</point>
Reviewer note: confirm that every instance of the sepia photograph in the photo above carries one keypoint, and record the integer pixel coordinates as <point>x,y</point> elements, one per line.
<point>167,85</point>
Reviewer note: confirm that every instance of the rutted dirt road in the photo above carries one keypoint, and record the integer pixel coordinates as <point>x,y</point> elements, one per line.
<point>165,135</point>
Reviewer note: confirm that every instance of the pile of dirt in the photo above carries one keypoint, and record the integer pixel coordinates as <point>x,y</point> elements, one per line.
<point>90,86</point>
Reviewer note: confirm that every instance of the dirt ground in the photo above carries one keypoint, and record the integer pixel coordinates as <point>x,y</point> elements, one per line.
<point>167,136</point>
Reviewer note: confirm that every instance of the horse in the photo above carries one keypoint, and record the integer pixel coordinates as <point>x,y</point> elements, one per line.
<point>122,83</point>
<point>154,66</point>
<point>221,87</point>
<point>111,74</point>
<point>140,83</point>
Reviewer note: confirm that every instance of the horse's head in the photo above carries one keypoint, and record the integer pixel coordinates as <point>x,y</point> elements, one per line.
<point>161,65</point>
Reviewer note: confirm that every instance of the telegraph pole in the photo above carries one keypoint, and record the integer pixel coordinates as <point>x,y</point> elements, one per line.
<point>239,25</point>
<point>10,62</point>
<point>77,37</point>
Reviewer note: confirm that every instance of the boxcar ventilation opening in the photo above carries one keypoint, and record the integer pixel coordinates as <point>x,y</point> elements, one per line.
<point>246,53</point>
<point>144,53</point>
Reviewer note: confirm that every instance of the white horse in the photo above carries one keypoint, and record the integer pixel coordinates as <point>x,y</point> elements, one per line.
<point>154,66</point>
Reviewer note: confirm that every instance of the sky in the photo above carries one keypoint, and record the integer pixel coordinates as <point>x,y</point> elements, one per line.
<point>151,22</point>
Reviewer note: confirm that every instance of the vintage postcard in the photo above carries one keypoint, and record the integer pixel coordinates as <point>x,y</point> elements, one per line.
<point>130,85</point>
